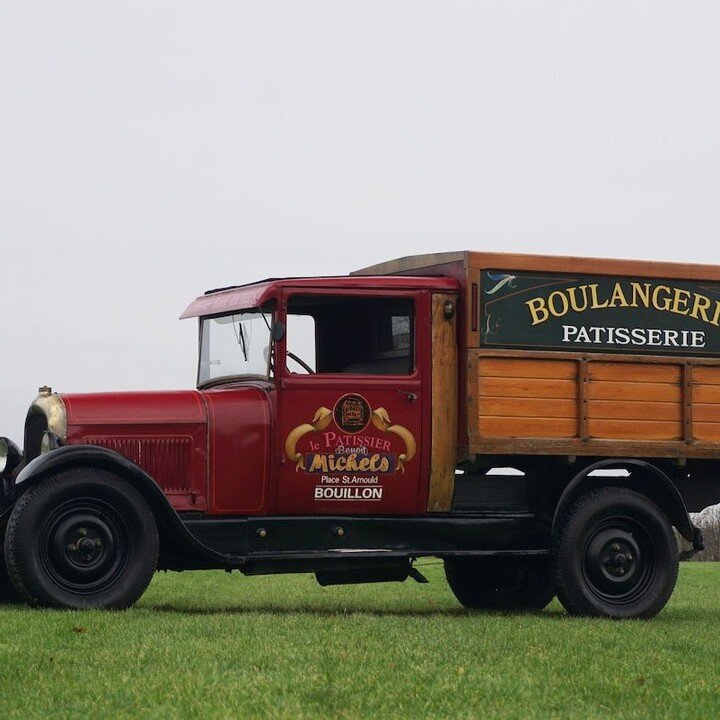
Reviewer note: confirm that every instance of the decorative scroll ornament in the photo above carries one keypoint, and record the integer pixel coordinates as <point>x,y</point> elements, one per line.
<point>323,418</point>
<point>500,280</point>
<point>381,420</point>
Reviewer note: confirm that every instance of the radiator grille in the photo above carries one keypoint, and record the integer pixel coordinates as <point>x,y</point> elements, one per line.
<point>165,459</point>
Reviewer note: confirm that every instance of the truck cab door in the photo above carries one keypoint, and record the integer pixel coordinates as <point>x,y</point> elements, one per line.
<point>353,381</point>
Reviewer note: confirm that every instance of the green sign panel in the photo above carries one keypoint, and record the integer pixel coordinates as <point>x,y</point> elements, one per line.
<point>594,313</point>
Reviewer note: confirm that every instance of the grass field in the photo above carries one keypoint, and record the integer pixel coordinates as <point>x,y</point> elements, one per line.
<point>213,645</point>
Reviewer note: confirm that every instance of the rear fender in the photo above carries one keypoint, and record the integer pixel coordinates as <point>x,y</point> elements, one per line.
<point>645,478</point>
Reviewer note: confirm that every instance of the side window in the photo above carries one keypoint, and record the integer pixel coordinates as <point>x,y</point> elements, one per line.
<point>350,335</point>
<point>300,343</point>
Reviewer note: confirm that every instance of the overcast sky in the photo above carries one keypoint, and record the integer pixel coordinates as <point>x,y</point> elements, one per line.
<point>151,150</point>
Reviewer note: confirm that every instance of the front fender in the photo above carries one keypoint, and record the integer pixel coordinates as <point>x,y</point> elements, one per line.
<point>70,456</point>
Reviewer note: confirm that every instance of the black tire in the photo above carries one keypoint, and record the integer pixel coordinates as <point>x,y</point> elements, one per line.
<point>615,556</point>
<point>83,538</point>
<point>501,583</point>
<point>8,594</point>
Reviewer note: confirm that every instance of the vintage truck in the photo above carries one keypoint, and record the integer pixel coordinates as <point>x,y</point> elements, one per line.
<point>539,423</point>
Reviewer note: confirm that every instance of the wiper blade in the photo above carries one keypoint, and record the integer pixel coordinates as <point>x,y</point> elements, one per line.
<point>242,341</point>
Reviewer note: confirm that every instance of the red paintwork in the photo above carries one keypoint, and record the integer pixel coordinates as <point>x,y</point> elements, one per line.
<point>165,433</point>
<point>222,450</point>
<point>257,294</point>
<point>299,398</point>
<point>239,448</point>
<point>133,408</point>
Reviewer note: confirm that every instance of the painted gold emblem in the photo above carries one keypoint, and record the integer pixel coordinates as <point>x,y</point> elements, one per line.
<point>352,414</point>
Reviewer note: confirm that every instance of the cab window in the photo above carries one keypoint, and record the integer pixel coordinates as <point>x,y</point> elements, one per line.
<point>350,335</point>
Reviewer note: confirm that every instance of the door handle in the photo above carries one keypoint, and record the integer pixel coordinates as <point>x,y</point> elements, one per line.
<point>409,396</point>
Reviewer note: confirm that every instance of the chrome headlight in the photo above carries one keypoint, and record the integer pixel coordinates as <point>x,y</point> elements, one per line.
<point>10,456</point>
<point>50,404</point>
<point>46,414</point>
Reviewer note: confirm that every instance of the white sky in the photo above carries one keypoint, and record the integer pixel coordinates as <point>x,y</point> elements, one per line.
<point>151,150</point>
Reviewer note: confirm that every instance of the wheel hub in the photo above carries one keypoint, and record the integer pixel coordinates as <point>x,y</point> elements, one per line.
<point>616,562</point>
<point>84,545</point>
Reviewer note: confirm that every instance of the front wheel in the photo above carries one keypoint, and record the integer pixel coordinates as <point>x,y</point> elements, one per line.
<point>501,583</point>
<point>615,556</point>
<point>81,539</point>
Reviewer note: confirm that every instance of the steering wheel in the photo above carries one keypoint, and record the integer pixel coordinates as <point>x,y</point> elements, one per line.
<point>300,362</point>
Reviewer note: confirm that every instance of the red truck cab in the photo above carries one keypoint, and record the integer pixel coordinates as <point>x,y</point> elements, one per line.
<point>326,418</point>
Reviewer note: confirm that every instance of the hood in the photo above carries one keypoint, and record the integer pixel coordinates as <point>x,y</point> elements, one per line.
<point>134,408</point>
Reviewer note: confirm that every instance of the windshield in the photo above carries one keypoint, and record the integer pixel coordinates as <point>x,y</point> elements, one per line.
<point>235,345</point>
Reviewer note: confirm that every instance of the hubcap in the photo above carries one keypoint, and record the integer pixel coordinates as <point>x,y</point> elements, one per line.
<point>84,545</point>
<point>619,560</point>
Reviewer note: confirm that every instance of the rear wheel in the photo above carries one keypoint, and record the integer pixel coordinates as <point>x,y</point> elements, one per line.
<point>83,538</point>
<point>616,556</point>
<point>500,583</point>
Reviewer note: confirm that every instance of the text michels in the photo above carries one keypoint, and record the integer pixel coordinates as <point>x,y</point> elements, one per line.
<point>648,295</point>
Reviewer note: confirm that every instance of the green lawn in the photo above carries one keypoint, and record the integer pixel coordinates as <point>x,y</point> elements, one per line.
<point>213,645</point>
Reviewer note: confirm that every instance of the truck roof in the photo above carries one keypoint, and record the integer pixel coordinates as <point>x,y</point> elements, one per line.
<point>240,297</point>
<point>437,262</point>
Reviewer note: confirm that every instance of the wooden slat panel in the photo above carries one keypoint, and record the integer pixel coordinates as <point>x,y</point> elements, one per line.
<point>706,431</point>
<point>706,393</point>
<point>635,430</point>
<point>602,390</point>
<point>635,372</point>
<point>528,427</point>
<point>634,410</point>
<point>526,387</point>
<point>706,375</point>
<point>528,407</point>
<point>545,369</point>
<point>443,451</point>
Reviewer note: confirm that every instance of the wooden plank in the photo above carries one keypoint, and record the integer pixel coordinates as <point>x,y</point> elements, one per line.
<point>636,429</point>
<point>660,392</point>
<point>526,387</point>
<point>583,400</point>
<point>706,375</point>
<point>472,307</point>
<point>596,447</point>
<point>593,266</point>
<point>473,404</point>
<point>599,357</point>
<point>635,372</point>
<point>540,369</point>
<point>527,427</point>
<point>412,263</point>
<point>548,263</point>
<point>706,394</point>
<point>688,402</point>
<point>706,431</point>
<point>634,410</point>
<point>528,407</point>
<point>706,412</point>
<point>443,452</point>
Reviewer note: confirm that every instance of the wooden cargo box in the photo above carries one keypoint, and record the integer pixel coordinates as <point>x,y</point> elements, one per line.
<point>580,356</point>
